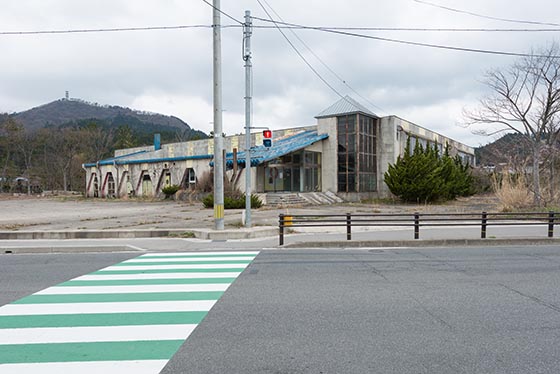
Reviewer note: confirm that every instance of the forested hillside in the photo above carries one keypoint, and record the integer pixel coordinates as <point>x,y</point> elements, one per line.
<point>47,145</point>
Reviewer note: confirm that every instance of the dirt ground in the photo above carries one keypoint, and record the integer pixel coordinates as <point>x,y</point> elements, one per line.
<point>36,213</point>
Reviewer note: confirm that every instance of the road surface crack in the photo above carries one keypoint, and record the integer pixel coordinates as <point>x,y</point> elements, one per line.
<point>532,298</point>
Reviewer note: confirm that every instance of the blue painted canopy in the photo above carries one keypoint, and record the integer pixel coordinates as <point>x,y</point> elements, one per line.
<point>259,154</point>
<point>280,147</point>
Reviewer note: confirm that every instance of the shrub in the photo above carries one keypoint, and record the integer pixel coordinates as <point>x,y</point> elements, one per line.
<point>512,192</point>
<point>424,176</point>
<point>233,202</point>
<point>170,190</point>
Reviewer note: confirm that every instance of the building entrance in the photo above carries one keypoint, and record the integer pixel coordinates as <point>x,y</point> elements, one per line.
<point>295,172</point>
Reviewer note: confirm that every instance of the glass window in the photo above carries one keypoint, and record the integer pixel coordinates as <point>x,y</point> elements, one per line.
<point>357,164</point>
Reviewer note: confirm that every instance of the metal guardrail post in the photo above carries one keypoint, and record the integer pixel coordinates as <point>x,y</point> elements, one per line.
<point>281,229</point>
<point>483,225</point>
<point>416,225</point>
<point>348,226</point>
<point>551,224</point>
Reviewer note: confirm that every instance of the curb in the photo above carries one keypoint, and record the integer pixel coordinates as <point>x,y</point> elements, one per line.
<point>209,234</point>
<point>424,243</point>
<point>67,249</point>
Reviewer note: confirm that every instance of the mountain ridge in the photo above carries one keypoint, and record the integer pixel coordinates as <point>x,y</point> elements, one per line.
<point>64,111</point>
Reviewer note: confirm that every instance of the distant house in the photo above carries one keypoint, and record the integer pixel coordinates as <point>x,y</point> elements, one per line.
<point>346,152</point>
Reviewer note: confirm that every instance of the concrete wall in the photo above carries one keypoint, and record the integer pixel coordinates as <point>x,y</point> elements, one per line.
<point>203,148</point>
<point>128,178</point>
<point>393,133</point>
<point>329,158</point>
<point>388,149</point>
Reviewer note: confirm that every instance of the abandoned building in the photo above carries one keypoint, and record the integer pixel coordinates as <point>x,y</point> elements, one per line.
<point>346,153</point>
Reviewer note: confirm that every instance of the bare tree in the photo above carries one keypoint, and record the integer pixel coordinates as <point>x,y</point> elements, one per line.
<point>525,99</point>
<point>10,131</point>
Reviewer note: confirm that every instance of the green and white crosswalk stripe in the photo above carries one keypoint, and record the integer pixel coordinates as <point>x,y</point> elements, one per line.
<point>130,317</point>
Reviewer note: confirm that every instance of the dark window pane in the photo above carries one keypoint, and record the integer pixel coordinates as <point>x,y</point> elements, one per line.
<point>351,183</point>
<point>351,128</point>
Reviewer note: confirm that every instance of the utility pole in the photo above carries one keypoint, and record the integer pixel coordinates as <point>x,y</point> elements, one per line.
<point>247,31</point>
<point>218,139</point>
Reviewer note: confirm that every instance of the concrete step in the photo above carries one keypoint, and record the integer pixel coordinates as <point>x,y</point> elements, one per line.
<point>302,198</point>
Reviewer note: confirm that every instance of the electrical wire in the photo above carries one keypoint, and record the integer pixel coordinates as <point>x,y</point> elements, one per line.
<point>334,73</point>
<point>222,12</point>
<point>180,27</point>
<point>407,42</point>
<point>485,16</point>
<point>416,29</point>
<point>119,29</point>
<point>297,51</point>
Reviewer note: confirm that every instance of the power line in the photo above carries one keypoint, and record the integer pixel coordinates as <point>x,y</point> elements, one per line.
<point>222,12</point>
<point>297,51</point>
<point>407,42</point>
<point>413,29</point>
<point>323,62</point>
<point>180,27</point>
<point>485,16</point>
<point>117,29</point>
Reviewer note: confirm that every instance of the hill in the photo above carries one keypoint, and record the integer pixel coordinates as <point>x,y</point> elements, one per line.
<point>509,149</point>
<point>63,111</point>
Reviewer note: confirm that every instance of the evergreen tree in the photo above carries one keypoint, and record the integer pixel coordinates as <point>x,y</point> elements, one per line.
<point>424,176</point>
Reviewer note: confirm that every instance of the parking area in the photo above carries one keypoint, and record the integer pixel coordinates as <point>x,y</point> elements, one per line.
<point>75,213</point>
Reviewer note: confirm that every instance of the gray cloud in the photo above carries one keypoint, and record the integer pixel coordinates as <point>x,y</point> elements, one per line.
<point>171,71</point>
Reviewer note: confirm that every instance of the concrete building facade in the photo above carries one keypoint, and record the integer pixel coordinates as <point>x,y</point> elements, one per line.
<point>347,152</point>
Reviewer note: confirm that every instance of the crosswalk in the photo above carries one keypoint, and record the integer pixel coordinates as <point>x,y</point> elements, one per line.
<point>130,317</point>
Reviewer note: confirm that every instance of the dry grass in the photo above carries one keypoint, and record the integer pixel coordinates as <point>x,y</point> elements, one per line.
<point>512,192</point>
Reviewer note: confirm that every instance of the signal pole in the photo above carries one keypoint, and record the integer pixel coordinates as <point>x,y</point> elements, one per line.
<point>247,31</point>
<point>218,139</point>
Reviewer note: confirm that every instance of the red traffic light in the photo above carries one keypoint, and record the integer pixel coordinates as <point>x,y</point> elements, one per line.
<point>267,138</point>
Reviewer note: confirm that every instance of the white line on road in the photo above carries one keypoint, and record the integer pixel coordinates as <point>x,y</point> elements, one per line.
<point>172,267</point>
<point>82,290</point>
<point>95,334</point>
<point>95,367</point>
<point>157,276</point>
<point>224,253</point>
<point>126,307</point>
<point>188,259</point>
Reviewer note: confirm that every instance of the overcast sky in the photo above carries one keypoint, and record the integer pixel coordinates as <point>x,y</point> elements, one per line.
<point>170,71</point>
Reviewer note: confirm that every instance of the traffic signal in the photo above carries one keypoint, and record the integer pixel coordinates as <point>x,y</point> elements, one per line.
<point>267,138</point>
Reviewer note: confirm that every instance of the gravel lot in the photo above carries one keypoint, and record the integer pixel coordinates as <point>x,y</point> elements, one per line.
<point>76,213</point>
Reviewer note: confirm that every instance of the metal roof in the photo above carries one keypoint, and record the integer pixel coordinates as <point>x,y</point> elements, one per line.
<point>259,154</point>
<point>346,105</point>
<point>152,160</point>
<point>280,147</point>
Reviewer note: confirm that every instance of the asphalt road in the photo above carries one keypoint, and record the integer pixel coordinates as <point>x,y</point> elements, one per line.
<point>422,310</point>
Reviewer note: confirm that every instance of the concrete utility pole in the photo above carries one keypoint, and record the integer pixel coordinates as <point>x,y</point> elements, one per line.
<point>218,139</point>
<point>247,31</point>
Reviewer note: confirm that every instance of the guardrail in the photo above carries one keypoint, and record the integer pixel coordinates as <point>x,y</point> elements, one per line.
<point>417,220</point>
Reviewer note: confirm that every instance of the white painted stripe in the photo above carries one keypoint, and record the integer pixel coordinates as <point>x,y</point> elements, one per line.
<point>175,267</point>
<point>79,290</point>
<point>126,307</point>
<point>209,259</point>
<point>95,367</point>
<point>225,253</point>
<point>95,334</point>
<point>96,277</point>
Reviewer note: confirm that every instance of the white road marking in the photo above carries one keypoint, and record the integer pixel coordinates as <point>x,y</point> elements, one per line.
<point>95,334</point>
<point>126,307</point>
<point>80,290</point>
<point>95,277</point>
<point>95,367</point>
<point>175,267</point>
<point>225,253</point>
<point>208,259</point>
